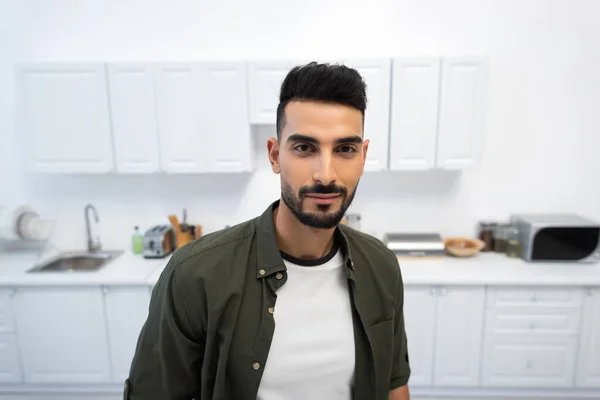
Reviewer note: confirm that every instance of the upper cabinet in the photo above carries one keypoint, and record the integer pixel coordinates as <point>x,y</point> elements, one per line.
<point>422,114</point>
<point>462,106</point>
<point>377,74</point>
<point>264,83</point>
<point>133,110</point>
<point>203,118</point>
<point>64,116</point>
<point>414,106</point>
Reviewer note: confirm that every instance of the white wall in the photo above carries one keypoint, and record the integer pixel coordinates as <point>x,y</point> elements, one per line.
<point>541,143</point>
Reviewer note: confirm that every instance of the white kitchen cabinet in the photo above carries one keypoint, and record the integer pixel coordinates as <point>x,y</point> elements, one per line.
<point>264,83</point>
<point>126,313</point>
<point>62,335</point>
<point>6,310</point>
<point>223,101</point>
<point>10,369</point>
<point>461,114</point>
<point>133,112</point>
<point>182,145</point>
<point>460,312</point>
<point>414,113</point>
<point>531,361</point>
<point>64,116</point>
<point>377,75</point>
<point>203,118</point>
<point>588,369</point>
<point>419,320</point>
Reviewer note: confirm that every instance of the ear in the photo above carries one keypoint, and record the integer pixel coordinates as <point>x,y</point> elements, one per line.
<point>273,151</point>
<point>365,145</point>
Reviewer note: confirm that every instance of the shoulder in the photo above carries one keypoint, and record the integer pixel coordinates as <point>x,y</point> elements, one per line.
<point>371,250</point>
<point>213,253</point>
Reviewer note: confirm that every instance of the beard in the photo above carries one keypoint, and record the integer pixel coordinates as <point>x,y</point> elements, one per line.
<point>324,218</point>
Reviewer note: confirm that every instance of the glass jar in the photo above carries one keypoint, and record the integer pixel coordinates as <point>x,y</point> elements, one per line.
<point>501,232</point>
<point>486,235</point>
<point>513,246</point>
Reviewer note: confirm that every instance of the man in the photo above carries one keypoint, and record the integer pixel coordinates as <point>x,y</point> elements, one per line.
<point>289,305</point>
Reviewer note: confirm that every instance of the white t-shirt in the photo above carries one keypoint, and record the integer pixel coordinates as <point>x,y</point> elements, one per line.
<point>312,353</point>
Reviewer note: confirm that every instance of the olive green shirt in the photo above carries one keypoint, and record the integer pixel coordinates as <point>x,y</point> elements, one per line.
<point>211,321</point>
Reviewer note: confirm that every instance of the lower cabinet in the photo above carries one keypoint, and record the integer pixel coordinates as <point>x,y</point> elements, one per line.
<point>419,317</point>
<point>62,335</point>
<point>589,348</point>
<point>126,313</point>
<point>10,371</point>
<point>444,330</point>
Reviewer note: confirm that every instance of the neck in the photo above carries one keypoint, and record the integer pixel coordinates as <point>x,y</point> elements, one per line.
<point>298,240</point>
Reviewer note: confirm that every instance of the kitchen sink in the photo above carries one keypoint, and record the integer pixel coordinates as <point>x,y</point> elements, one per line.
<point>74,262</point>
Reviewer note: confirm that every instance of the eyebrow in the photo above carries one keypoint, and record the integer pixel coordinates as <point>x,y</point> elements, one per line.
<point>298,137</point>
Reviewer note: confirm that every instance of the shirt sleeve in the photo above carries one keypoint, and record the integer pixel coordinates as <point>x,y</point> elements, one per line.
<point>170,348</point>
<point>400,362</point>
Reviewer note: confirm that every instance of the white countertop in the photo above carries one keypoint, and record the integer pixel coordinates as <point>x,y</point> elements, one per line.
<point>127,269</point>
<point>483,269</point>
<point>497,269</point>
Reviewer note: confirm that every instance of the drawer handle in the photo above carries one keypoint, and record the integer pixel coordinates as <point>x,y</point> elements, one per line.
<point>529,364</point>
<point>532,325</point>
<point>533,298</point>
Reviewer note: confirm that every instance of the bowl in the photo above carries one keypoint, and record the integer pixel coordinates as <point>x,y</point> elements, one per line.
<point>463,246</point>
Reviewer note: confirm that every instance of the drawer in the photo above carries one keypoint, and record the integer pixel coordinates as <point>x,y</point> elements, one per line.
<point>532,320</point>
<point>534,296</point>
<point>529,361</point>
<point>6,315</point>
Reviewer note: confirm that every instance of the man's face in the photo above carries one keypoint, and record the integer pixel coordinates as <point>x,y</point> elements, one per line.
<point>320,157</point>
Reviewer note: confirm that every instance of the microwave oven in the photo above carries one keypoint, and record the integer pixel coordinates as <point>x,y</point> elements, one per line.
<point>558,237</point>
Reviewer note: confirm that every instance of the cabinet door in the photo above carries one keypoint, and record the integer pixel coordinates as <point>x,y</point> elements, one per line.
<point>6,313</point>
<point>133,111</point>
<point>531,361</point>
<point>419,317</point>
<point>264,82</point>
<point>224,125</point>
<point>462,106</point>
<point>10,369</point>
<point>377,74</point>
<point>415,94</point>
<point>589,348</point>
<point>182,142</point>
<point>459,334</point>
<point>126,313</point>
<point>64,115</point>
<point>62,335</point>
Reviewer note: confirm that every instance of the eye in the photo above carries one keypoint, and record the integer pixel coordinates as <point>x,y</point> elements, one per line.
<point>302,148</point>
<point>347,149</point>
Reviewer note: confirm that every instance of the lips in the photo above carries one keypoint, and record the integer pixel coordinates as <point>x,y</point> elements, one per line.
<point>323,198</point>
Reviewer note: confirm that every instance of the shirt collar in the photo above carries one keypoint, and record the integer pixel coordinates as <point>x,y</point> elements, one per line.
<point>269,259</point>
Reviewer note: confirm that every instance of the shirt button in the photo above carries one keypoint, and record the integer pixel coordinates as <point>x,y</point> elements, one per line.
<point>279,276</point>
<point>261,272</point>
<point>256,366</point>
<point>271,310</point>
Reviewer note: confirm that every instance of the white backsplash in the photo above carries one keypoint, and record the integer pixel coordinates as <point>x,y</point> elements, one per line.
<point>540,148</point>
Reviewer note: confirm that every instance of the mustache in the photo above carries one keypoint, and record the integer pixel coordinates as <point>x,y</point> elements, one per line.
<point>322,189</point>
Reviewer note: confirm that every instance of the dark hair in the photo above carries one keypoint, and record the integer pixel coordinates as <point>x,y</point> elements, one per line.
<point>321,82</point>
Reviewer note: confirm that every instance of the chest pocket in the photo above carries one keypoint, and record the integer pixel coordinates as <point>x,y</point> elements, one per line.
<point>381,336</point>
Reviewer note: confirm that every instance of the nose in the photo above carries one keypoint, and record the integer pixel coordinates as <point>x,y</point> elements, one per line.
<point>324,171</point>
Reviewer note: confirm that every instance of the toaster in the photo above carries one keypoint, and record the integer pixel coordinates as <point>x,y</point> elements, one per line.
<point>159,241</point>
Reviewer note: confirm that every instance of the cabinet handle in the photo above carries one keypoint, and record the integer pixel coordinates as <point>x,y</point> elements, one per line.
<point>533,298</point>
<point>529,364</point>
<point>104,290</point>
<point>11,293</point>
<point>433,291</point>
<point>591,292</point>
<point>443,291</point>
<point>532,325</point>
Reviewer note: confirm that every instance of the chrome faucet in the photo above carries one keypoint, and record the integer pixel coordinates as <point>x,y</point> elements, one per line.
<point>93,246</point>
